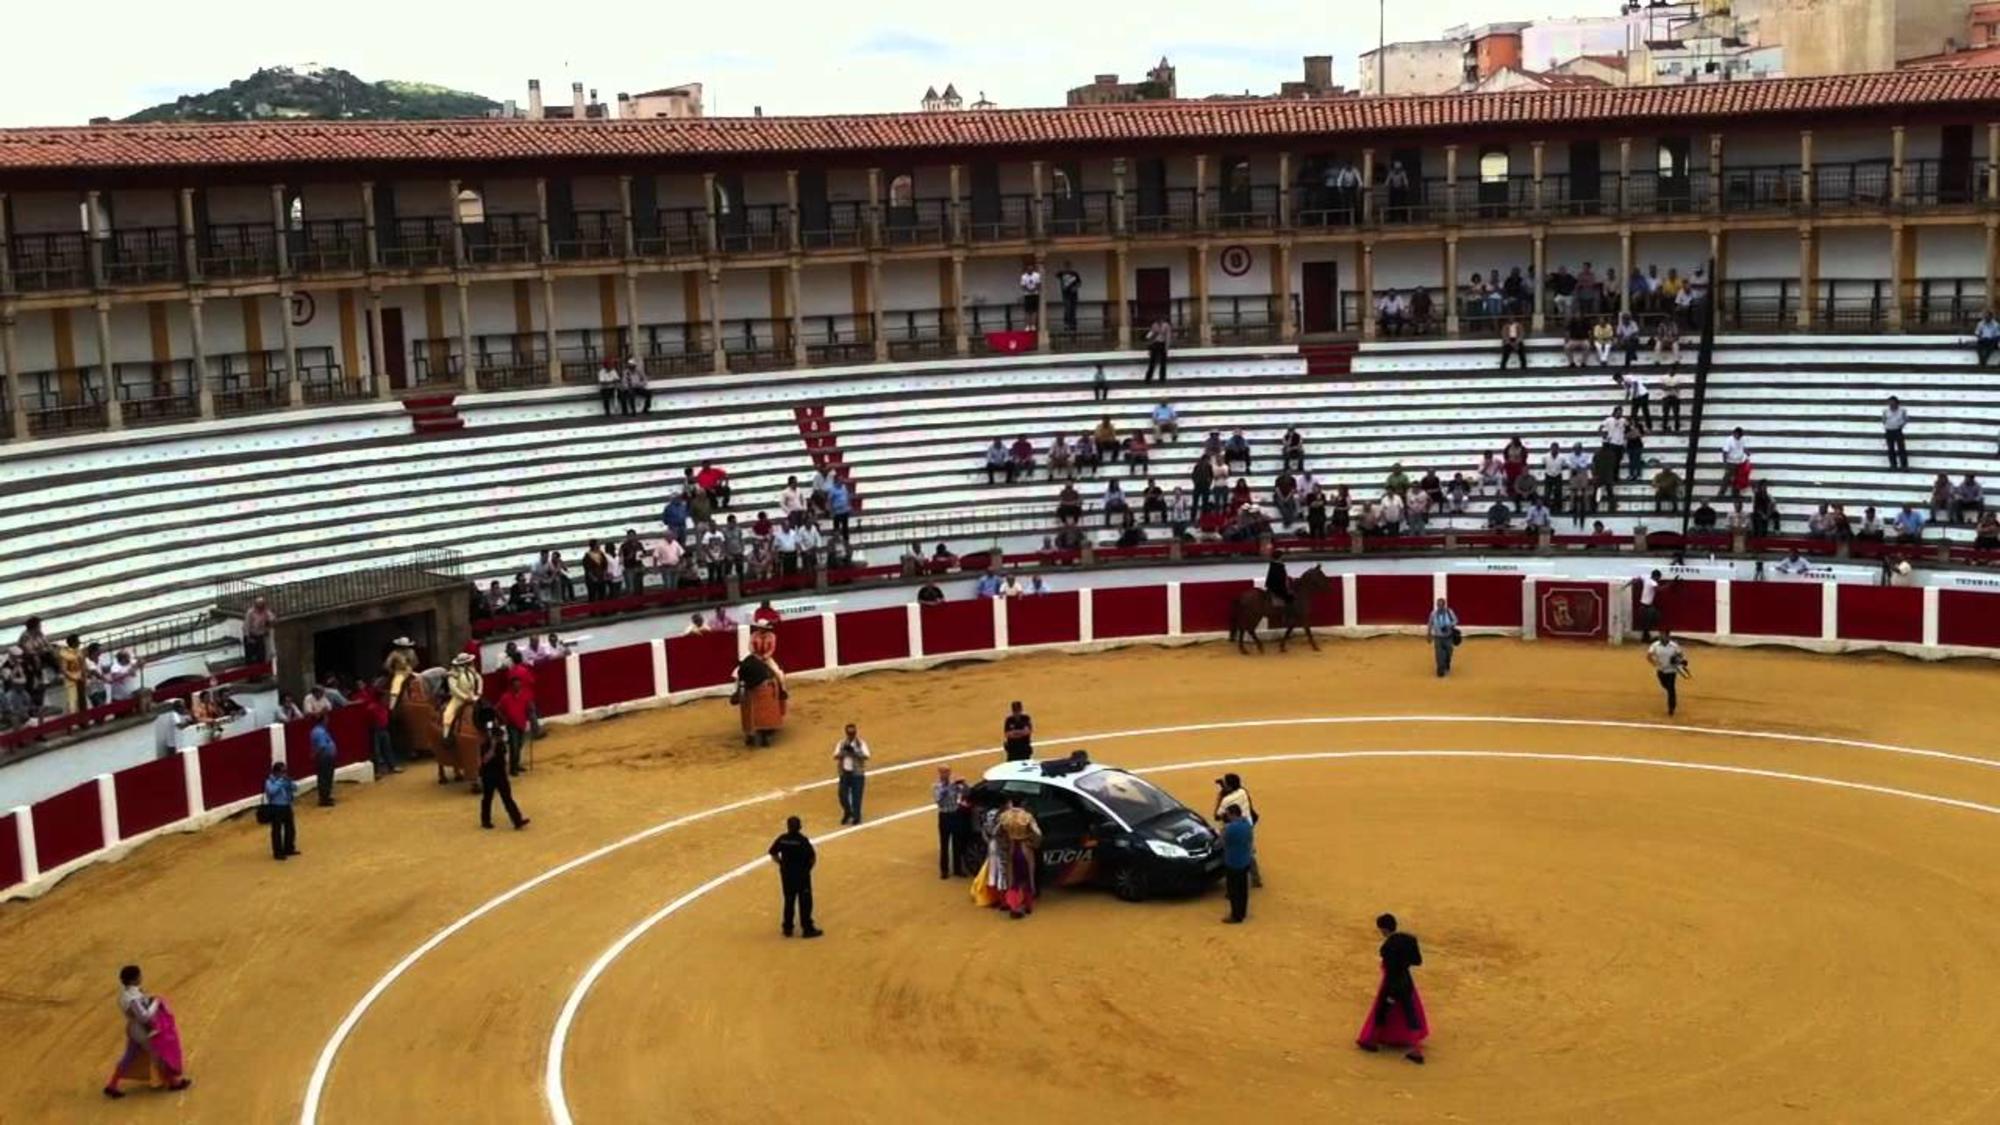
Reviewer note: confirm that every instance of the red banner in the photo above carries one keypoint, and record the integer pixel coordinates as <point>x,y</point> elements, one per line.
<point>1575,611</point>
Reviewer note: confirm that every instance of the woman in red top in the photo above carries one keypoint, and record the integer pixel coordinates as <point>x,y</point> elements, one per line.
<point>714,480</point>
<point>766,615</point>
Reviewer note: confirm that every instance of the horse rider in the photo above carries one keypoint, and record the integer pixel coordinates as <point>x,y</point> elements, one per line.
<point>1278,585</point>
<point>464,684</point>
<point>400,664</point>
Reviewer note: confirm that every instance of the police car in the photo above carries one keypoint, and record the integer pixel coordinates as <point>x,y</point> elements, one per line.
<point>1106,827</point>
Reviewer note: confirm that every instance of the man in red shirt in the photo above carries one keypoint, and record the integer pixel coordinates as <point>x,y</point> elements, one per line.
<point>714,480</point>
<point>381,749</point>
<point>766,614</point>
<point>520,672</point>
<point>514,706</point>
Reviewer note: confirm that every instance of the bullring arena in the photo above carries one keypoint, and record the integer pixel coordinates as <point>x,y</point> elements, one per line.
<point>306,404</point>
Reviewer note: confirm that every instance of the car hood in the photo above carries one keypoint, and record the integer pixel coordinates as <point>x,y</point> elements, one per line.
<point>1184,827</point>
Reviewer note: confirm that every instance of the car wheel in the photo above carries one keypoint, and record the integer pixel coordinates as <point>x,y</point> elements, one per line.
<point>1129,884</point>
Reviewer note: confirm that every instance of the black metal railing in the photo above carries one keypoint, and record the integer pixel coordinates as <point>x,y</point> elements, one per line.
<point>1171,211</point>
<point>421,572</point>
<point>839,339</point>
<point>1249,208</point>
<point>47,419</point>
<point>919,222</point>
<point>238,250</point>
<point>755,228</point>
<point>1005,219</point>
<point>1084,213</point>
<point>757,344</point>
<point>1093,328</point>
<point>418,243</point>
<point>919,333</point>
<point>329,246</point>
<point>679,232</point>
<point>45,262</point>
<point>845,226</point>
<point>1247,318</point>
<point>248,382</point>
<point>511,237</point>
<point>592,235</point>
<point>1861,186</point>
<point>143,256</point>
<point>150,392</point>
<point>322,383</point>
<point>436,363</point>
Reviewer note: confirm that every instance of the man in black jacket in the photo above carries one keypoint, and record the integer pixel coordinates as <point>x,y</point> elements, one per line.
<point>794,855</point>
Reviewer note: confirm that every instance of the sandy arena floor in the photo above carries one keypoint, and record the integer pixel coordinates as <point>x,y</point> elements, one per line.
<point>1604,940</point>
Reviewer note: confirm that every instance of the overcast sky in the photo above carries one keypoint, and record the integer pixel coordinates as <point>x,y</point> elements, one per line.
<point>789,57</point>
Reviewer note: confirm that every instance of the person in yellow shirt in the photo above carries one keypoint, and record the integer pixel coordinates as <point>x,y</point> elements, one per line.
<point>464,684</point>
<point>69,661</point>
<point>399,665</point>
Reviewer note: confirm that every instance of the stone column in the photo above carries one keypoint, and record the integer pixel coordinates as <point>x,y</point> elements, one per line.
<point>1622,300</point>
<point>792,241</point>
<point>1536,200</point>
<point>96,234</point>
<point>1041,324</point>
<point>798,320</point>
<point>720,353</point>
<point>10,369</point>
<point>1118,196</point>
<point>1806,168</point>
<point>1992,260</point>
<point>469,373</point>
<point>114,411</point>
<point>1288,327</point>
<point>1201,193</point>
<point>288,334</point>
<point>368,232</point>
<point>378,352</point>
<point>1285,190</point>
<point>1369,328</point>
<point>1993,163</point>
<point>544,248</point>
<point>632,313</point>
<point>880,338</point>
<point>1036,228</point>
<point>198,342</point>
<point>710,242</point>
<point>1124,309</point>
<point>960,340</point>
<point>1897,148</point>
<point>1450,286</point>
<point>1206,329</point>
<point>1624,172</point>
<point>6,246</point>
<point>1898,277</point>
<point>1451,187</point>
<point>1714,176</point>
<point>549,329</point>
<point>281,225</point>
<point>190,245</point>
<point>1370,206</point>
<point>458,255</point>
<point>955,206</point>
<point>875,207</point>
<point>1539,319</point>
<point>625,221</point>
<point>1808,282</point>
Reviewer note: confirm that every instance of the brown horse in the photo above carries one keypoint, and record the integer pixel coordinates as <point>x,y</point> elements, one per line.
<point>1254,606</point>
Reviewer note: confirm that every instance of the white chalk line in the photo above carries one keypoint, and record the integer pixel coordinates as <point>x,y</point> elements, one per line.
<point>556,1097</point>
<point>323,1065</point>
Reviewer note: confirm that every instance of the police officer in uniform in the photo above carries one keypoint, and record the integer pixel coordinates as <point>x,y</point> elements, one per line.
<point>1018,734</point>
<point>493,775</point>
<point>794,855</point>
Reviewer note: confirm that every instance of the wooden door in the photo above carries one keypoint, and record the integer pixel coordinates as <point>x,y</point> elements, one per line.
<point>1319,297</point>
<point>1955,176</point>
<point>392,364</point>
<point>1155,290</point>
<point>1585,184</point>
<point>985,195</point>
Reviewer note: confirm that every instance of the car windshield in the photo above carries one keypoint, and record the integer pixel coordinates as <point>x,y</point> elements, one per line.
<point>1134,801</point>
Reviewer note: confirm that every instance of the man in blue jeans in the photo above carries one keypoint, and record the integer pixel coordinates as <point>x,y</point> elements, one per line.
<point>323,756</point>
<point>1239,851</point>
<point>1443,631</point>
<point>850,754</point>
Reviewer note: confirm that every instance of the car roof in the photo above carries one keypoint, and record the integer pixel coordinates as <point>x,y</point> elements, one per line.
<point>1031,770</point>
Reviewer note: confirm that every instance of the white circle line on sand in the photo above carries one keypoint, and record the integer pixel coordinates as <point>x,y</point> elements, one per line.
<point>552,1077</point>
<point>323,1065</point>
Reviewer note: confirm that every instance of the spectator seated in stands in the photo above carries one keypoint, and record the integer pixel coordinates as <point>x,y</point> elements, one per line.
<point>1941,496</point>
<point>1968,500</point>
<point>1069,504</point>
<point>1237,449</point>
<point>1499,516</point>
<point>1987,536</point>
<point>997,464</point>
<point>1576,341</point>
<point>943,561</point>
<point>1871,526</point>
<point>1180,513</point>
<point>1704,516</point>
<point>913,561</point>
<point>1819,525</point>
<point>1458,493</point>
<point>18,706</point>
<point>1131,535</point>
<point>1764,515</point>
<point>1909,524</point>
<point>713,480</point>
<point>1084,455</point>
<point>1986,337</point>
<point>1247,526</point>
<point>1602,338</point>
<point>1292,453</point>
<point>1432,487</point>
<point>1537,517</point>
<point>1239,496</point>
<point>1398,482</point>
<point>1514,343</point>
<point>1138,456</point>
<point>1105,437</point>
<point>1666,490</point>
<point>1839,525</point>
<point>1068,537</point>
<point>1793,564</point>
<point>1166,423</point>
<point>1020,459</point>
<point>1562,290</point>
<point>523,597</point>
<point>1417,511</point>
<point>1626,337</point>
<point>1423,314</point>
<point>1115,508</point>
<point>1153,502</point>
<point>929,594</point>
<point>1389,514</point>
<point>989,585</point>
<point>1061,462</point>
<point>1492,474</point>
<point>495,599</point>
<point>1010,586</point>
<point>1525,489</point>
<point>1285,497</point>
<point>1339,511</point>
<point>1392,313</point>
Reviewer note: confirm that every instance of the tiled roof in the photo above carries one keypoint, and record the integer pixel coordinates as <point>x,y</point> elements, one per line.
<point>472,142</point>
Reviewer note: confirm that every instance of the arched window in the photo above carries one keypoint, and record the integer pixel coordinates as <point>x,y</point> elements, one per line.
<point>471,208</point>
<point>1060,185</point>
<point>297,216</point>
<point>1494,166</point>
<point>1236,178</point>
<point>903,191</point>
<point>722,200</point>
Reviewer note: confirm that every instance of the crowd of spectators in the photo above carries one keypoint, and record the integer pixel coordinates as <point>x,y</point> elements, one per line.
<point>40,677</point>
<point>1651,300</point>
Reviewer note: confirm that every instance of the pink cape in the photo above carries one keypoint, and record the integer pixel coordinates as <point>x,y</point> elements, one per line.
<point>1394,1031</point>
<point>167,1041</point>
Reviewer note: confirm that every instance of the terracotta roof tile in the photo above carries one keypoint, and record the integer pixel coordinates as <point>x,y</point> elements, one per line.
<point>292,144</point>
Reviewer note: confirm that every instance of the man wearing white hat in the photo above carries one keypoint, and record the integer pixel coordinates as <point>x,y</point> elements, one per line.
<point>400,663</point>
<point>463,681</point>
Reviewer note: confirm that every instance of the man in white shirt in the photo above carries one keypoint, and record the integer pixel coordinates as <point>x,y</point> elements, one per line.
<point>1894,418</point>
<point>543,651</point>
<point>696,626</point>
<point>792,502</point>
<point>1166,423</point>
<point>1669,665</point>
<point>167,727</point>
<point>667,554</point>
<point>1011,586</point>
<point>1031,295</point>
<point>1734,454</point>
<point>1639,397</point>
<point>850,757</point>
<point>1646,593</point>
<point>1793,564</point>
<point>785,541</point>
<point>120,674</point>
<point>809,542</point>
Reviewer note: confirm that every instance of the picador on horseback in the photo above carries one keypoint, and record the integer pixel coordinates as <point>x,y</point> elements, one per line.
<point>1280,601</point>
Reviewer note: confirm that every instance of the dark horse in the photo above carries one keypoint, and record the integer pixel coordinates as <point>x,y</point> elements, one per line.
<point>1254,606</point>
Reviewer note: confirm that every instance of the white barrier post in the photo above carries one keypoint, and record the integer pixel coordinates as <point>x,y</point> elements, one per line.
<point>1531,610</point>
<point>1350,610</point>
<point>915,623</point>
<point>1440,587</point>
<point>1086,616</point>
<point>191,779</point>
<point>1173,609</point>
<point>573,681</point>
<point>742,640</point>
<point>1001,637</point>
<point>24,843</point>
<point>1829,611</point>
<point>829,641</point>
<point>1930,633</point>
<point>107,808</point>
<point>277,734</point>
<point>1723,626</point>
<point>658,645</point>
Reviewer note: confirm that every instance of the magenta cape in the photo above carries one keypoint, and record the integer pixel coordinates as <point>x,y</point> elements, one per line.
<point>167,1041</point>
<point>1395,1030</point>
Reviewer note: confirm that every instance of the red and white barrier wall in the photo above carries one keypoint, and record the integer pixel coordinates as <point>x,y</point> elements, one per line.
<point>101,818</point>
